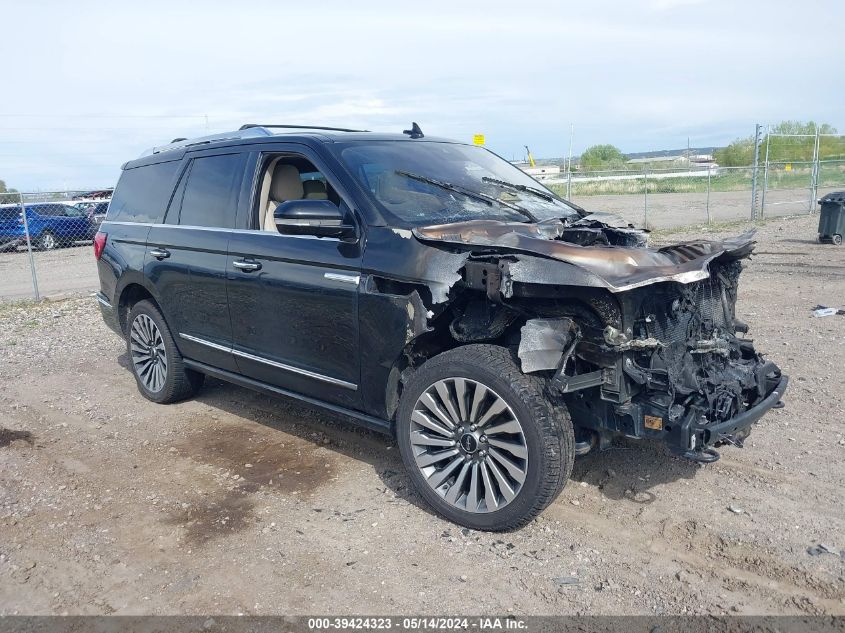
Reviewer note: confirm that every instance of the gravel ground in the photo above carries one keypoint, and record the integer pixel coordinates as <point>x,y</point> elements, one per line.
<point>63,272</point>
<point>236,503</point>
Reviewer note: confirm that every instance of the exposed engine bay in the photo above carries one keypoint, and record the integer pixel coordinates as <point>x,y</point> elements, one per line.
<point>634,340</point>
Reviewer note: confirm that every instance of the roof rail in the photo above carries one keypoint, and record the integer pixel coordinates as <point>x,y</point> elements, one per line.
<point>249,130</point>
<point>181,143</point>
<point>249,126</point>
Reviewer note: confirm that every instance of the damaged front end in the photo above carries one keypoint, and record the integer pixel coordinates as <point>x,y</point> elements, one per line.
<point>634,341</point>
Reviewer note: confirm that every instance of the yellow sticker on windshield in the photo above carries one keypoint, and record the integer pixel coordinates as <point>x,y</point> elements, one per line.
<point>478,139</point>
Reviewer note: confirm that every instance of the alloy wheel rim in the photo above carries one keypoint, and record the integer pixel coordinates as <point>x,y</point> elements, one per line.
<point>149,356</point>
<point>469,445</point>
<point>49,241</point>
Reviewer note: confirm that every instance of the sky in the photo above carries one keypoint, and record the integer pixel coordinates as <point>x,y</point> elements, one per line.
<point>90,85</point>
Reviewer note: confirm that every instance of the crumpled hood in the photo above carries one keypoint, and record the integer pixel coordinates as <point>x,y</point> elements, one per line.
<point>618,267</point>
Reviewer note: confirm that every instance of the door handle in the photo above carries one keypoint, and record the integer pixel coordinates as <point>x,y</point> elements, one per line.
<point>160,253</point>
<point>246,265</point>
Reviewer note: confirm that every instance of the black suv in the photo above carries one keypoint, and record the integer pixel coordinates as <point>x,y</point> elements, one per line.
<point>431,290</point>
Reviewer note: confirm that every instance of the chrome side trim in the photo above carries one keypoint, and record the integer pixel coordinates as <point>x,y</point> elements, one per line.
<point>346,279</point>
<point>123,223</point>
<point>214,228</point>
<point>103,301</point>
<point>297,370</point>
<point>202,341</point>
<point>271,363</point>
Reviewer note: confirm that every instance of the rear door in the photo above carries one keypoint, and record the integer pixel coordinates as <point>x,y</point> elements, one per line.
<point>295,307</point>
<point>186,256</point>
<point>139,201</point>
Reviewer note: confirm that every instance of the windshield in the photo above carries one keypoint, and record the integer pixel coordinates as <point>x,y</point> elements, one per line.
<point>422,183</point>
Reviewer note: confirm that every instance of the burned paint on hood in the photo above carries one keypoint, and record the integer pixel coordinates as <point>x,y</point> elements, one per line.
<point>610,257</point>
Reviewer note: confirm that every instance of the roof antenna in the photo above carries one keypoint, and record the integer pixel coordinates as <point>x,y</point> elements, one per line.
<point>415,131</point>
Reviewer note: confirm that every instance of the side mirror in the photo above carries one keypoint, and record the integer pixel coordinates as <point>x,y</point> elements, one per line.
<point>311,217</point>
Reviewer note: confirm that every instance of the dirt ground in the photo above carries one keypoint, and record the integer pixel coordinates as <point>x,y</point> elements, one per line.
<point>237,503</point>
<point>673,210</point>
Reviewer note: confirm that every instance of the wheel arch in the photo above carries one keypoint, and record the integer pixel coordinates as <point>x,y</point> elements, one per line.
<point>130,292</point>
<point>596,305</point>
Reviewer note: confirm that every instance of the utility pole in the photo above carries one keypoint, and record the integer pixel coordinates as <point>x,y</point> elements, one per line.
<point>569,160</point>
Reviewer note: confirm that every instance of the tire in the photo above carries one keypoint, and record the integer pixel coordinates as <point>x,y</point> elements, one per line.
<point>837,240</point>
<point>543,433</point>
<point>47,242</point>
<point>155,361</point>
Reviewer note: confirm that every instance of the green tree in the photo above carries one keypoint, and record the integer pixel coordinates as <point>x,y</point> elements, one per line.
<point>5,197</point>
<point>797,146</point>
<point>602,157</point>
<point>738,154</point>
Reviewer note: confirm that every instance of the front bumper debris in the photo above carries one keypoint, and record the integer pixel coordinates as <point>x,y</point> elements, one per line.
<point>701,438</point>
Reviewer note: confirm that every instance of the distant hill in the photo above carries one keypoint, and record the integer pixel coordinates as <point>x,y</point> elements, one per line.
<point>661,153</point>
<point>658,153</point>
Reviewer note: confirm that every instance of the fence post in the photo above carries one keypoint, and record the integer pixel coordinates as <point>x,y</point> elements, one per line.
<point>709,171</point>
<point>757,140</point>
<point>645,210</point>
<point>814,173</point>
<point>765,175</point>
<point>29,250</point>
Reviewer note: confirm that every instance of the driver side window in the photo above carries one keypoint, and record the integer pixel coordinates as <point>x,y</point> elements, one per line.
<point>287,177</point>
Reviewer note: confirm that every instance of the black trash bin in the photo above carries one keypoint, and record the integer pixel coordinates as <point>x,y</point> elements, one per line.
<point>832,218</point>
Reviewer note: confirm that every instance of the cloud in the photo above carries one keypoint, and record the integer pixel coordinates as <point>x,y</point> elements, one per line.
<point>641,77</point>
<point>668,5</point>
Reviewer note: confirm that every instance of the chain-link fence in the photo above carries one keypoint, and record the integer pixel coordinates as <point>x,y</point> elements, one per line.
<point>43,235</point>
<point>42,240</point>
<point>674,198</point>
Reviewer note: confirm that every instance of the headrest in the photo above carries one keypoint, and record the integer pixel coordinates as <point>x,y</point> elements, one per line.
<point>315,190</point>
<point>286,184</point>
<point>392,188</point>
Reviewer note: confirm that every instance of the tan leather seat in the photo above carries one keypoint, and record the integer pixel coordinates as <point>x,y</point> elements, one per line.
<point>285,185</point>
<point>315,190</point>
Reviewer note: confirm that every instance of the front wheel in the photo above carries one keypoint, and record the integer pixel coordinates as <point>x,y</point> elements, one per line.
<point>837,239</point>
<point>156,362</point>
<point>482,442</point>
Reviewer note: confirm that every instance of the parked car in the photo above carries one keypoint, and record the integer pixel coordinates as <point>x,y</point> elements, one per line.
<point>9,215</point>
<point>50,225</point>
<point>95,210</point>
<point>430,290</point>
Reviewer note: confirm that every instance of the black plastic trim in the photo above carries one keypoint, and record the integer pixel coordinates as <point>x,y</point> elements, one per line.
<point>368,421</point>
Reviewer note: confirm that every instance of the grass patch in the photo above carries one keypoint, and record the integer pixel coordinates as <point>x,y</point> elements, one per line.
<point>11,306</point>
<point>726,180</point>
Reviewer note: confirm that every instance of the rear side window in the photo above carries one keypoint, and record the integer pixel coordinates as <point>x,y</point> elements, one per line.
<point>45,210</point>
<point>142,193</point>
<point>211,191</point>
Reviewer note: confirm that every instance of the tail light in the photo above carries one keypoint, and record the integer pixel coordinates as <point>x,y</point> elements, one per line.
<point>99,244</point>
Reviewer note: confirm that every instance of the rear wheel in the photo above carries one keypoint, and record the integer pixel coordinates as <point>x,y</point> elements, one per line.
<point>47,241</point>
<point>156,362</point>
<point>482,442</point>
